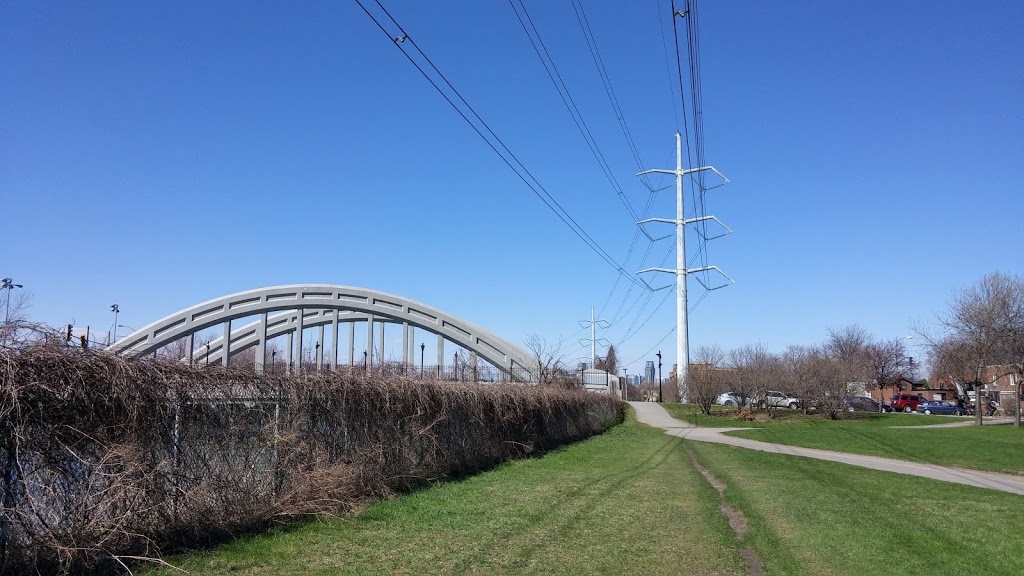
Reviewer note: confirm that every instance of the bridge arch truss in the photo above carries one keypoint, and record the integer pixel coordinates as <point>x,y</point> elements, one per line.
<point>290,310</point>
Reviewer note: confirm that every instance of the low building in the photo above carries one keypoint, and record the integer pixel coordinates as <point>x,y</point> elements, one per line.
<point>928,390</point>
<point>601,382</point>
<point>996,382</point>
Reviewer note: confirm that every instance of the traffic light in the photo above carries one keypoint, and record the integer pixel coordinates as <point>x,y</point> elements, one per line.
<point>68,339</point>
<point>85,343</point>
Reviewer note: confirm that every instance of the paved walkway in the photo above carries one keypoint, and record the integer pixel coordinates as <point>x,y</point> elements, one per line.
<point>653,414</point>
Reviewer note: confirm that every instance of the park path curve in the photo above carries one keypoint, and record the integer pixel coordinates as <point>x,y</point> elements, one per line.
<point>655,415</point>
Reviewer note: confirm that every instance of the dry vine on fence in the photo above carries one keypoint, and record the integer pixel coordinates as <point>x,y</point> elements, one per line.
<point>105,458</point>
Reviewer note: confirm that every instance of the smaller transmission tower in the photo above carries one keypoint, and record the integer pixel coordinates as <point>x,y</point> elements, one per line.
<point>594,340</point>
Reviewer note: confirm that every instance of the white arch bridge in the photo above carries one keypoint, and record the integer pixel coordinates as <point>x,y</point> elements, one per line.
<point>289,310</point>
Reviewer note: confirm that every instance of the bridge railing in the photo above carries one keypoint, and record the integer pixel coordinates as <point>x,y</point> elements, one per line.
<point>450,372</point>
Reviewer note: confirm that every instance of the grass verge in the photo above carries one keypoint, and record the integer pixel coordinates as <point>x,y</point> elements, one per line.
<point>810,516</point>
<point>725,417</point>
<point>990,448</point>
<point>628,501</point>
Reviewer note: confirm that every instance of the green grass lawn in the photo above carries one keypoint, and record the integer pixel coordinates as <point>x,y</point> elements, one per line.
<point>630,502</point>
<point>816,517</point>
<point>990,448</point>
<point>725,417</point>
<point>625,502</point>
<point>997,448</point>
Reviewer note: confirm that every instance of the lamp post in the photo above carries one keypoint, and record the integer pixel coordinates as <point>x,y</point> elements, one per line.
<point>9,285</point>
<point>115,309</point>
<point>660,399</point>
<point>125,326</point>
<point>423,347</point>
<point>910,360</point>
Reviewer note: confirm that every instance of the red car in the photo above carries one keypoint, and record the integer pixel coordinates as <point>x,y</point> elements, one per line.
<point>906,402</point>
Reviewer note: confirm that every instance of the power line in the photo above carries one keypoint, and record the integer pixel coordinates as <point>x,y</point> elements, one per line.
<point>563,91</point>
<point>547,60</point>
<point>494,142</point>
<point>668,67</point>
<point>664,260</point>
<point>630,332</point>
<point>670,332</point>
<point>595,54</point>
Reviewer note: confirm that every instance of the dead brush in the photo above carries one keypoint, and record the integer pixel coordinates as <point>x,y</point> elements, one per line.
<point>106,459</point>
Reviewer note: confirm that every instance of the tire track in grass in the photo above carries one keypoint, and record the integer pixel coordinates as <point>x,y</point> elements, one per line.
<point>737,522</point>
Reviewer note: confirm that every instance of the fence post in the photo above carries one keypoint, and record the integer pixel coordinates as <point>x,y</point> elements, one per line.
<point>274,464</point>
<point>176,452</point>
<point>7,497</point>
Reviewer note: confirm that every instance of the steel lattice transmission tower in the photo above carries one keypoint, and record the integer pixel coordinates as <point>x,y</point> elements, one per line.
<point>681,271</point>
<point>594,340</point>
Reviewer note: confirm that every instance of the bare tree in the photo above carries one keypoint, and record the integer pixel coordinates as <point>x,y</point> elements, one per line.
<point>887,360</point>
<point>14,309</point>
<point>848,343</point>
<point>743,378</point>
<point>705,377</point>
<point>759,371</point>
<point>610,362</point>
<point>984,326</point>
<point>829,378</point>
<point>793,374</point>
<point>547,357</point>
<point>177,350</point>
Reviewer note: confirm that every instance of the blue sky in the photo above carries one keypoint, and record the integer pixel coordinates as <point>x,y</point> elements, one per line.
<point>159,155</point>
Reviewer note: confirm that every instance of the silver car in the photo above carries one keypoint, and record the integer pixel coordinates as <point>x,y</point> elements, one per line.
<point>731,399</point>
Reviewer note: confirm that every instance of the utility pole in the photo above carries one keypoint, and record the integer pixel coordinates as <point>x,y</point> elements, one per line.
<point>680,271</point>
<point>594,323</point>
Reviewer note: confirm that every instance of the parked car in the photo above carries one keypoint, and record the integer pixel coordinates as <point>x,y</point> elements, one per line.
<point>906,402</point>
<point>778,399</point>
<point>864,404</point>
<point>939,407</point>
<point>731,399</point>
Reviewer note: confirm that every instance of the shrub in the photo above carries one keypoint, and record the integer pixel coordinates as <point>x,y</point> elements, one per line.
<point>105,458</point>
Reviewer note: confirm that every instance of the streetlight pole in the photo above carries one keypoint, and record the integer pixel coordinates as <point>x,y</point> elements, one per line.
<point>660,398</point>
<point>9,285</point>
<point>115,309</point>
<point>625,387</point>
<point>423,347</point>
